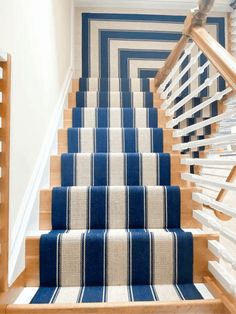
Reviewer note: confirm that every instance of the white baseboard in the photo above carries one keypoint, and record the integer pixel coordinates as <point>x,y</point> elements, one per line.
<point>22,221</point>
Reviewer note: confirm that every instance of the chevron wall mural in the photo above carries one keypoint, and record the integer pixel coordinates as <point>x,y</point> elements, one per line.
<point>136,45</point>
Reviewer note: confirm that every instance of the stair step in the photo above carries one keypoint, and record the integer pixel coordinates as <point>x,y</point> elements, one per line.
<point>86,169</point>
<point>201,254</point>
<point>159,292</point>
<point>113,100</point>
<point>116,140</point>
<point>113,84</point>
<point>114,117</point>
<point>183,307</point>
<point>53,203</point>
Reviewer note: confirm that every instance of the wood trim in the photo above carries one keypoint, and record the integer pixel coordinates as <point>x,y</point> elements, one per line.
<point>229,33</point>
<point>223,61</point>
<point>5,164</point>
<point>220,293</point>
<point>181,307</point>
<point>176,169</point>
<point>13,292</point>
<point>171,61</point>
<point>187,204</point>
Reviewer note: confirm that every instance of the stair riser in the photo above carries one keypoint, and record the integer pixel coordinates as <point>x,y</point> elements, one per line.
<point>115,138</point>
<point>156,101</point>
<point>115,84</point>
<point>91,122</point>
<point>175,168</point>
<point>200,268</point>
<point>186,205</point>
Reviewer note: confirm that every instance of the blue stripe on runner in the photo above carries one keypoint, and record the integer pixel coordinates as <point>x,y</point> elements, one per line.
<point>103,99</point>
<point>67,169</point>
<point>189,292</point>
<point>102,118</point>
<point>93,294</point>
<point>100,169</point>
<point>77,117</point>
<point>103,85</point>
<point>142,293</point>
<point>43,295</point>
<point>164,168</point>
<point>173,206</point>
<point>126,100</point>
<point>140,258</point>
<point>73,140</point>
<point>184,257</point>
<point>48,260</point>
<point>133,171</point>
<point>59,208</point>
<point>80,99</point>
<point>130,140</point>
<point>101,140</point>
<point>125,85</point>
<point>136,208</point>
<point>94,258</point>
<point>157,140</point>
<point>152,118</point>
<point>145,85</point>
<point>128,118</point>
<point>83,84</point>
<point>97,207</point>
<point>148,102</point>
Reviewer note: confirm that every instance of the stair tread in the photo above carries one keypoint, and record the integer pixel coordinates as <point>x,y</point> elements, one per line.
<point>162,293</point>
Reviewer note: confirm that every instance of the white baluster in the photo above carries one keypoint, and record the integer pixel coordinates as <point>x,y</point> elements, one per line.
<point>218,96</point>
<point>208,82</point>
<point>200,70</point>
<point>187,52</point>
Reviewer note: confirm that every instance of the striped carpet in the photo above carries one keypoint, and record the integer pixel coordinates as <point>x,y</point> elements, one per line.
<point>116,219</point>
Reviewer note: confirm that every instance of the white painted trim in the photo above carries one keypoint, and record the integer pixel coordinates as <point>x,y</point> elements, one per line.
<point>220,5</point>
<point>22,224</point>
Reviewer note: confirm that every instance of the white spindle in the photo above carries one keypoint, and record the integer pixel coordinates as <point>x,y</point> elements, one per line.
<point>189,113</point>
<point>200,70</point>
<point>202,180</point>
<point>223,276</point>
<point>219,206</point>
<point>218,140</point>
<point>221,252</point>
<point>187,52</point>
<point>202,124</point>
<point>209,161</point>
<point>208,82</point>
<point>214,223</point>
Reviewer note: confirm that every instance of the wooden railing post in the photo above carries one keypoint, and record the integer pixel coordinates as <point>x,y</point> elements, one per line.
<point>5,89</point>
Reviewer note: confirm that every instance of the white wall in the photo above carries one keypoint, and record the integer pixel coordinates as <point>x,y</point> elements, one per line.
<point>38,36</point>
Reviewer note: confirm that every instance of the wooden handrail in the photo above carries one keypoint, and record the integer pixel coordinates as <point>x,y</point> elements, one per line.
<point>222,60</point>
<point>5,88</point>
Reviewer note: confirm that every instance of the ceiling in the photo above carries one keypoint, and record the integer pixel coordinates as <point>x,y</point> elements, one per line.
<point>220,5</point>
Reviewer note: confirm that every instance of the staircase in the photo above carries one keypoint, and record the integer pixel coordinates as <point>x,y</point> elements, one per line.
<point>119,213</point>
<point>121,224</point>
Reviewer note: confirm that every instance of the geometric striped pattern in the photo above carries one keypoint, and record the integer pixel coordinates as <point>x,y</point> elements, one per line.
<point>84,169</point>
<point>116,232</point>
<point>115,140</point>
<point>102,258</point>
<point>165,293</point>
<point>114,99</point>
<point>115,117</point>
<point>114,84</point>
<point>115,207</point>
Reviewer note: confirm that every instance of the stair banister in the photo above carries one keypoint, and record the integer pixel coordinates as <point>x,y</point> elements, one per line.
<point>194,29</point>
<point>5,85</point>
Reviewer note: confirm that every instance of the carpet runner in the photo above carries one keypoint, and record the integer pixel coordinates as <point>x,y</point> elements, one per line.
<point>116,219</point>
